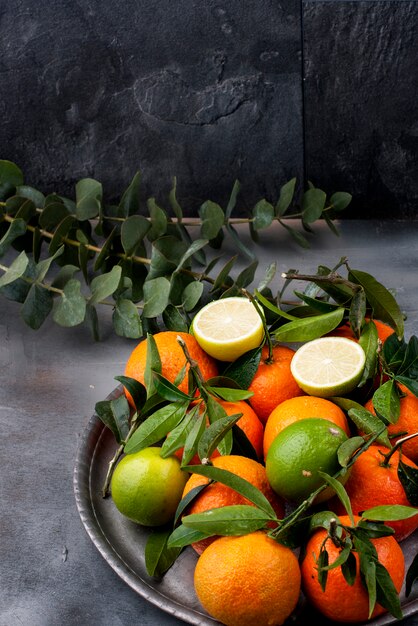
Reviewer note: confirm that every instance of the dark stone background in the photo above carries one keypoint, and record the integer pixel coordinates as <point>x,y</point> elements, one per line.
<point>215,91</point>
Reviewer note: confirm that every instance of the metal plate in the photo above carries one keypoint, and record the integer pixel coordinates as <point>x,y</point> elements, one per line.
<point>122,542</point>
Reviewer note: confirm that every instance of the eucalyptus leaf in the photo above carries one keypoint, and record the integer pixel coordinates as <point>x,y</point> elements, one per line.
<point>313,203</point>
<point>71,307</point>
<point>286,196</point>
<point>126,319</point>
<point>133,231</point>
<point>156,296</point>
<point>232,199</point>
<point>37,306</point>
<point>89,194</point>
<point>10,174</point>
<point>129,203</point>
<point>174,320</point>
<point>191,295</point>
<point>340,200</point>
<point>105,285</point>
<point>246,276</point>
<point>212,217</point>
<point>269,274</point>
<point>263,214</point>
<point>158,218</point>
<point>16,269</point>
<point>61,232</point>
<point>16,229</point>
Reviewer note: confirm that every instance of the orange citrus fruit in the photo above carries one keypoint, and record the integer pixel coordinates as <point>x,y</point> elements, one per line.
<point>217,495</point>
<point>383,330</point>
<point>340,601</point>
<point>373,482</point>
<point>299,408</point>
<point>273,382</point>
<point>248,580</point>
<point>172,358</point>
<point>147,488</point>
<point>406,424</point>
<point>297,455</point>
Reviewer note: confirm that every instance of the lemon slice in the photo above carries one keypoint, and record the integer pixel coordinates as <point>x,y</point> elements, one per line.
<point>228,328</point>
<point>328,366</point>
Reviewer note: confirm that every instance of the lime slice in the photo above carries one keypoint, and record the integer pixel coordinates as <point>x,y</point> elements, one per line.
<point>228,328</point>
<point>328,366</point>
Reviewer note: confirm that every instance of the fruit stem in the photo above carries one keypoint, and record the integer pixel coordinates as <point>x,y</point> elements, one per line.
<point>116,456</point>
<point>267,336</point>
<point>397,445</point>
<point>332,277</point>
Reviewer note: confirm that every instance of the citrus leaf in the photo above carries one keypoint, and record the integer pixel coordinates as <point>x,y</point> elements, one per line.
<point>319,305</point>
<point>323,561</point>
<point>241,445</point>
<point>215,412</point>
<point>214,434</point>
<point>342,557</point>
<point>410,361</point>
<point>187,500</point>
<point>156,427</point>
<point>369,424</point>
<point>167,390</point>
<point>158,556</point>
<point>135,388</point>
<point>274,309</point>
<point>387,594</point>
<point>243,369</point>
<point>348,448</point>
<point>231,395</point>
<point>236,519</point>
<point>183,536</point>
<point>115,414</point>
<point>340,492</point>
<point>235,482</point>
<point>411,576</point>
<point>71,307</point>
<point>408,476</point>
<point>177,437</point>
<point>152,364</point>
<point>384,305</point>
<point>309,328</point>
<point>321,520</point>
<point>369,342</point>
<point>192,440</point>
<point>412,385</point>
<point>357,312</point>
<point>389,513</point>
<point>386,402</point>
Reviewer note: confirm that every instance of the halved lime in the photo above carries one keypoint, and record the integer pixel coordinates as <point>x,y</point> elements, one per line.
<point>328,366</point>
<point>227,328</point>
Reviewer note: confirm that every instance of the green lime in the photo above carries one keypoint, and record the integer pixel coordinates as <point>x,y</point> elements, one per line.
<point>297,455</point>
<point>328,366</point>
<point>147,488</point>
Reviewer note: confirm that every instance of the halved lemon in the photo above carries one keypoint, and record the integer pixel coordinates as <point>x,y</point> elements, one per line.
<point>328,366</point>
<point>228,328</point>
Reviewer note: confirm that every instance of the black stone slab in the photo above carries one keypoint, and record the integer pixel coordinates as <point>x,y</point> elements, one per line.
<point>361,94</point>
<point>209,92</point>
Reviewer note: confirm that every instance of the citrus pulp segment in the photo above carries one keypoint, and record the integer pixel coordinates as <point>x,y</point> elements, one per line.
<point>328,366</point>
<point>227,328</point>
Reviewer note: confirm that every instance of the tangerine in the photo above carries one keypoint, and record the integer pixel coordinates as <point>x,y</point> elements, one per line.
<point>299,408</point>
<point>373,481</point>
<point>247,580</point>
<point>383,330</point>
<point>217,495</point>
<point>172,359</point>
<point>407,424</point>
<point>273,381</point>
<point>340,601</point>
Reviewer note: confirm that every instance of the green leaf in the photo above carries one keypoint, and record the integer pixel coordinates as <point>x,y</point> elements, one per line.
<point>26,211</point>
<point>129,203</point>
<point>369,424</point>
<point>340,492</point>
<point>384,305</point>
<point>215,412</point>
<point>263,214</point>
<point>115,414</point>
<point>167,390</point>
<point>176,438</point>
<point>323,561</point>
<point>158,220</point>
<point>156,296</point>
<point>243,369</point>
<point>193,438</point>
<point>232,199</point>
<point>347,449</point>
<point>389,513</point>
<point>88,194</point>
<point>411,576</point>
<point>340,200</point>
<point>183,536</point>
<point>133,231</point>
<point>43,266</point>
<point>135,388</point>
<point>410,360</point>
<point>174,320</point>
<point>313,203</point>
<point>286,196</point>
<point>238,241</point>
<point>156,427</point>
<point>105,285</point>
<point>237,519</point>
<point>223,274</point>
<point>158,556</point>
<point>52,215</point>
<point>212,217</point>
<point>408,476</point>
<point>126,319</point>
<point>246,276</point>
<point>231,394</point>
<point>64,275</point>
<point>71,307</point>
<point>10,175</point>
<point>193,248</point>
<point>214,434</point>
<point>357,312</point>
<point>386,402</point>
<point>93,321</point>
<point>269,274</point>
<point>15,230</point>
<point>61,232</point>
<point>16,269</point>
<point>274,309</point>
<point>319,305</point>
<point>369,342</point>
<point>387,594</point>
<point>191,295</point>
<point>411,384</point>
<point>37,306</point>
<point>242,486</point>
<point>309,328</point>
<point>152,364</point>
<point>173,201</point>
